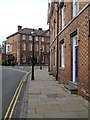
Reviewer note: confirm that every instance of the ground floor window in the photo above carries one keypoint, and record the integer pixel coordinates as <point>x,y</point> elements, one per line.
<point>24,58</point>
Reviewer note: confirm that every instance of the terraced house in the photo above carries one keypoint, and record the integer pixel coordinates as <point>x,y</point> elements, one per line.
<point>69,23</point>
<point>19,45</point>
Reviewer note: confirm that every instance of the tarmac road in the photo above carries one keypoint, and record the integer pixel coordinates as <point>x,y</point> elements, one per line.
<point>10,81</point>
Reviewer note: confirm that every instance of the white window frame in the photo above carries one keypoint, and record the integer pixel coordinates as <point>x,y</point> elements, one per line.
<point>62,55</point>
<point>23,37</point>
<point>63,17</point>
<point>75,7</point>
<point>37,47</point>
<point>7,48</point>
<point>42,48</point>
<point>30,37</point>
<point>30,47</point>
<point>42,39</point>
<point>24,58</point>
<point>23,46</point>
<point>37,38</point>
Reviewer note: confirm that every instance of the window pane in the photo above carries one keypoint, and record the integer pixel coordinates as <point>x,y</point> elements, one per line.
<point>62,55</point>
<point>36,47</point>
<point>30,47</point>
<point>23,37</point>
<point>24,58</point>
<point>24,46</point>
<point>30,37</point>
<point>42,39</point>
<point>36,38</point>
<point>75,7</point>
<point>42,48</point>
<point>63,16</point>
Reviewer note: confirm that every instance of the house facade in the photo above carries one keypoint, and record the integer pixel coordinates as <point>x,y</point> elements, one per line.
<point>69,24</point>
<point>20,44</point>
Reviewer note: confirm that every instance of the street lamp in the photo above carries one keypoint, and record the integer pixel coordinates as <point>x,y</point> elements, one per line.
<point>41,58</point>
<point>33,35</point>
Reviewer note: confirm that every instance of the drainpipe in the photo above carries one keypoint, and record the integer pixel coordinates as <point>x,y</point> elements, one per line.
<point>57,37</point>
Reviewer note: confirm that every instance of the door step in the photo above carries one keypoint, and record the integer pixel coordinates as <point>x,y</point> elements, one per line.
<point>72,88</point>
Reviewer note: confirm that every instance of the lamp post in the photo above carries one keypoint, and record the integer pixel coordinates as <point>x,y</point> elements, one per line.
<point>41,58</point>
<point>33,35</point>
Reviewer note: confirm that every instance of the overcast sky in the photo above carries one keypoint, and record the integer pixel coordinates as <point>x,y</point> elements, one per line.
<point>27,13</point>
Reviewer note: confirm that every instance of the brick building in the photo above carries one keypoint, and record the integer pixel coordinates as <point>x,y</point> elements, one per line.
<point>69,24</point>
<point>19,45</point>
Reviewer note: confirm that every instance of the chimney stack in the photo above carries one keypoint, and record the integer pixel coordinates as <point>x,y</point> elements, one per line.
<point>39,28</point>
<point>19,27</point>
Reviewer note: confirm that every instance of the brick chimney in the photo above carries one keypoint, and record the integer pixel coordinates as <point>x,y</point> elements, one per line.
<point>19,27</point>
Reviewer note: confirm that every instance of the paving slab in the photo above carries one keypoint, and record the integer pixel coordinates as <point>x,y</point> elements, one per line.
<point>48,99</point>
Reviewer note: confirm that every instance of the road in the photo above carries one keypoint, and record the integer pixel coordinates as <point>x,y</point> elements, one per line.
<point>11,77</point>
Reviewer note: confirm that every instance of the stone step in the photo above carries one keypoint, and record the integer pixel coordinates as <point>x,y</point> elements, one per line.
<point>73,84</point>
<point>72,89</point>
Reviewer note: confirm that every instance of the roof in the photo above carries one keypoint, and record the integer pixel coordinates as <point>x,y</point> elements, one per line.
<point>28,31</point>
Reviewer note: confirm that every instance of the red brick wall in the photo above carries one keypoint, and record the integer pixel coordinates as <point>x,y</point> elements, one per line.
<point>81,25</point>
<point>65,75</point>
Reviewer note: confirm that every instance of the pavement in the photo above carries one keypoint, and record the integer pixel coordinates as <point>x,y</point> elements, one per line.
<point>49,99</point>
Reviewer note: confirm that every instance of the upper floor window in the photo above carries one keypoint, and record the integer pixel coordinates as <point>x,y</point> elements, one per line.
<point>48,40</point>
<point>42,39</point>
<point>36,38</point>
<point>30,37</point>
<point>42,48</point>
<point>63,17</point>
<point>75,7</point>
<point>24,46</point>
<point>48,33</point>
<point>63,54</point>
<point>30,47</point>
<point>47,48</point>
<point>37,48</point>
<point>23,37</point>
<point>8,48</point>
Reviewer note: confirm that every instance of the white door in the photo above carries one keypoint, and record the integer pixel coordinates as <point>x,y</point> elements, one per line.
<point>75,44</point>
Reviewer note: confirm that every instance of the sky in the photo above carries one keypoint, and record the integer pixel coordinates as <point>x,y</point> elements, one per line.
<point>27,13</point>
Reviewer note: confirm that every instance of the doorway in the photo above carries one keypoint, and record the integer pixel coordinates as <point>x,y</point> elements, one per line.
<point>75,59</point>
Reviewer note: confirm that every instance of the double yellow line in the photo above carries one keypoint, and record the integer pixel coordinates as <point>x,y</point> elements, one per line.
<point>12,105</point>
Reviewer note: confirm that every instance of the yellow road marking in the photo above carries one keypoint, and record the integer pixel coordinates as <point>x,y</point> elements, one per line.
<point>15,101</point>
<point>7,113</point>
